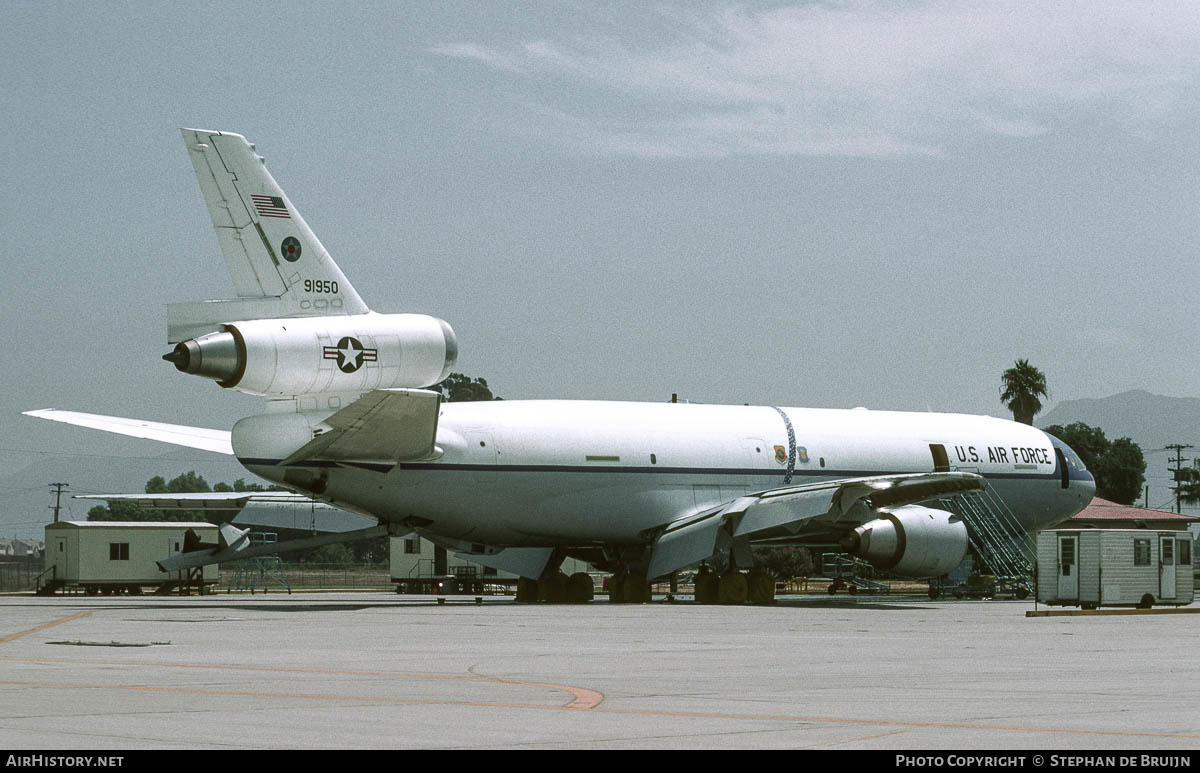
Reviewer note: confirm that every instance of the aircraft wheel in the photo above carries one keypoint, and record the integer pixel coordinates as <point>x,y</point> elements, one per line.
<point>637,590</point>
<point>527,590</point>
<point>580,589</point>
<point>616,588</point>
<point>733,588</point>
<point>762,587</point>
<point>707,586</point>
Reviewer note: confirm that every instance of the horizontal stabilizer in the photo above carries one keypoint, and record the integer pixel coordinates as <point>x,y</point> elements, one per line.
<point>196,558</point>
<point>388,425</point>
<point>215,440</point>
<point>271,509</point>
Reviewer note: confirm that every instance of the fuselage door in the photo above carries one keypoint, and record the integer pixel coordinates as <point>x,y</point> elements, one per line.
<point>1166,563</point>
<point>941,460</point>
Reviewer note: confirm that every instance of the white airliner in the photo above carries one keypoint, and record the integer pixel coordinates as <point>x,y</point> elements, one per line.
<point>642,489</point>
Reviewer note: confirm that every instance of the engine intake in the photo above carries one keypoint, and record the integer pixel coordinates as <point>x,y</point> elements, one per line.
<point>910,541</point>
<point>306,355</point>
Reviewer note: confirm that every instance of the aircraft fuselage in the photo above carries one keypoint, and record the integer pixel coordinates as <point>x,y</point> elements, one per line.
<point>576,473</point>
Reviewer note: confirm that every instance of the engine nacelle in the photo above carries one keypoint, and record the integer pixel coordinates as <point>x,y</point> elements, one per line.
<point>911,541</point>
<point>306,355</point>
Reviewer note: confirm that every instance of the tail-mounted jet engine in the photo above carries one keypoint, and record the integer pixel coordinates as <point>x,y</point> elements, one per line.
<point>910,541</point>
<point>284,357</point>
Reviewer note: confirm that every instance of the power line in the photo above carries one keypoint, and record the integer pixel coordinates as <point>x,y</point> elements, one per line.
<point>1178,460</point>
<point>58,489</point>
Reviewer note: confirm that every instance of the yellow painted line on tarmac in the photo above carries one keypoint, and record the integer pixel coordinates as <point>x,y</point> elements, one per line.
<point>581,697</point>
<point>895,723</point>
<point>302,696</point>
<point>43,626</point>
<point>577,705</point>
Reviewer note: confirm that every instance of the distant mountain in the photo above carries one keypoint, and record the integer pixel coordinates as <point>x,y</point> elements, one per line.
<point>1152,421</point>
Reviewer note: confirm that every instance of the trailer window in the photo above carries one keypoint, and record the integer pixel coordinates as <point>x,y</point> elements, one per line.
<point>1141,552</point>
<point>1185,552</point>
<point>118,551</point>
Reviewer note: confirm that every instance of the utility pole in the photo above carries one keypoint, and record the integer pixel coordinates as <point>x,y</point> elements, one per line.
<point>58,489</point>
<point>1177,469</point>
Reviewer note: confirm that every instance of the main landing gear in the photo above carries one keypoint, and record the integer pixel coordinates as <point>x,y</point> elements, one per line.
<point>734,587</point>
<point>557,588</point>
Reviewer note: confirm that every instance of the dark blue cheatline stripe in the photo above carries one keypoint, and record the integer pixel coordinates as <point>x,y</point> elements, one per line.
<point>791,462</point>
<point>657,470</point>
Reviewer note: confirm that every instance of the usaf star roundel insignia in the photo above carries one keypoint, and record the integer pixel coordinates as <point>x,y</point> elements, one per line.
<point>350,354</point>
<point>290,249</point>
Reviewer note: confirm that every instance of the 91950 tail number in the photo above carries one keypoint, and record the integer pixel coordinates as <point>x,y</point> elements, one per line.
<point>320,286</point>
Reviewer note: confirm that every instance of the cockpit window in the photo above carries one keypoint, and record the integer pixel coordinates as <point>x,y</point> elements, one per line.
<point>1074,463</point>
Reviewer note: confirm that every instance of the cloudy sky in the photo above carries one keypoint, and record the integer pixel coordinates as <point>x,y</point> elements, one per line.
<point>813,204</point>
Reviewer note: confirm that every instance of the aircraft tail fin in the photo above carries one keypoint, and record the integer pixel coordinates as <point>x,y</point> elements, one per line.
<point>278,266</point>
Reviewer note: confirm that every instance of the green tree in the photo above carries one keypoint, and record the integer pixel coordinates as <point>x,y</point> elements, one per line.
<point>460,388</point>
<point>1118,465</point>
<point>1022,387</point>
<point>186,483</point>
<point>784,562</point>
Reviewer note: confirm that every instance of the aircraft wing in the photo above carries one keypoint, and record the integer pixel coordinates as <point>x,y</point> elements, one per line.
<point>216,440</point>
<point>220,500</point>
<point>383,424</point>
<point>271,509</point>
<point>783,511</point>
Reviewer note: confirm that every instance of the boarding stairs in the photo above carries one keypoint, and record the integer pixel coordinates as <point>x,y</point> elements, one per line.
<point>48,585</point>
<point>996,536</point>
<point>854,574</point>
<point>252,573</point>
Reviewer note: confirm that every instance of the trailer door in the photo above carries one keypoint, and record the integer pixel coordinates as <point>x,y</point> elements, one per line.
<point>1166,568</point>
<point>1068,568</point>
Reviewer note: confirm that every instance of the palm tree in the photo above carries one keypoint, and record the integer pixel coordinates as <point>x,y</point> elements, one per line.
<point>1023,384</point>
<point>1189,485</point>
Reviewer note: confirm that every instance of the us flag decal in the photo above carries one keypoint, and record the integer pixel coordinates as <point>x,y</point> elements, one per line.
<point>269,206</point>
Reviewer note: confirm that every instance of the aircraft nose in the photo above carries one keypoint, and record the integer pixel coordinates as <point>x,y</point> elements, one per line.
<point>1077,474</point>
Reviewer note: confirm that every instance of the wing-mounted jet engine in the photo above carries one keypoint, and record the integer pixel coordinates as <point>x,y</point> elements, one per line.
<point>910,541</point>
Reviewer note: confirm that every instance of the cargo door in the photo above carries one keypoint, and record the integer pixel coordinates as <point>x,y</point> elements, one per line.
<point>1068,568</point>
<point>1166,567</point>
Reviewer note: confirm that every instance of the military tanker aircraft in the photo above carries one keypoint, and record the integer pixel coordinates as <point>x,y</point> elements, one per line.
<point>639,489</point>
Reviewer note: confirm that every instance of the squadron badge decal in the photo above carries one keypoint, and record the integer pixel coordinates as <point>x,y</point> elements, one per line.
<point>350,354</point>
<point>781,454</point>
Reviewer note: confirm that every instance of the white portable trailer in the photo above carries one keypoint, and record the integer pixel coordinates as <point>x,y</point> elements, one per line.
<point>1094,568</point>
<point>120,556</point>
